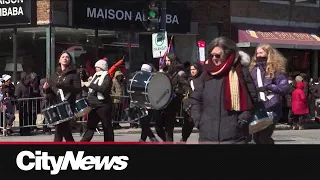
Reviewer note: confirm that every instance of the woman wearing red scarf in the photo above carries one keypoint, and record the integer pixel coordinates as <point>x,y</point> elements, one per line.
<point>224,101</point>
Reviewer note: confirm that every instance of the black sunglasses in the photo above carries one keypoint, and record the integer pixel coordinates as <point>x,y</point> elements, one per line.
<point>215,55</point>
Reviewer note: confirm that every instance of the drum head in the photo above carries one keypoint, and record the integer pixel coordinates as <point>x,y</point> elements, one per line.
<point>137,85</point>
<point>159,91</point>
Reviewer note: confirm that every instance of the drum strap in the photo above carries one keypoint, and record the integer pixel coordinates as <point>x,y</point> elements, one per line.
<point>62,96</point>
<point>192,85</point>
<point>262,95</point>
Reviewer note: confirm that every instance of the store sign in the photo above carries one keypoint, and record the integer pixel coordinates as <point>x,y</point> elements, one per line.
<point>283,35</point>
<point>14,12</point>
<point>126,15</point>
<point>159,44</point>
<point>202,46</point>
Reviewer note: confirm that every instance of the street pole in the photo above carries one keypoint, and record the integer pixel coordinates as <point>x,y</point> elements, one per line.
<point>163,12</point>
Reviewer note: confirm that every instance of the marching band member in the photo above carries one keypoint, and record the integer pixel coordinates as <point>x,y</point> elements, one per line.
<point>165,124</point>
<point>65,83</point>
<point>100,100</point>
<point>268,72</point>
<point>145,122</point>
<point>224,101</point>
<point>194,80</point>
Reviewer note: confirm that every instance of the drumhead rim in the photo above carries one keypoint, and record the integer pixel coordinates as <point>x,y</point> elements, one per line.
<point>171,92</point>
<point>80,100</point>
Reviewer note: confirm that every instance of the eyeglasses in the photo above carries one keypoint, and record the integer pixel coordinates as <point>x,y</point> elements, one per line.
<point>215,55</point>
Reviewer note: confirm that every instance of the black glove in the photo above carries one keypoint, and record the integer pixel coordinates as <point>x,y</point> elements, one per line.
<point>243,126</point>
<point>262,89</point>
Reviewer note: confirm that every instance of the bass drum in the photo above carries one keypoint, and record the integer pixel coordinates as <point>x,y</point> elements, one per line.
<point>152,90</point>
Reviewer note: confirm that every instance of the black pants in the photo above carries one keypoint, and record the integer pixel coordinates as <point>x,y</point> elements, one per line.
<point>117,114</point>
<point>290,117</point>
<point>63,130</point>
<point>145,126</point>
<point>167,120</point>
<point>164,126</point>
<point>26,117</point>
<point>187,127</point>
<point>299,119</point>
<point>103,114</point>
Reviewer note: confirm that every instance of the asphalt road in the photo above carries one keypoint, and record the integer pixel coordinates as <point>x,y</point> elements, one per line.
<point>280,137</point>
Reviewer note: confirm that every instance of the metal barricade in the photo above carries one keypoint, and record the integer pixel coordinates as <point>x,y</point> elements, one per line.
<point>27,113</point>
<point>24,113</point>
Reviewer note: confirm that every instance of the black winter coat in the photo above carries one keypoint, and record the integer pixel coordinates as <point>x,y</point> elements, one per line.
<point>216,124</point>
<point>68,81</point>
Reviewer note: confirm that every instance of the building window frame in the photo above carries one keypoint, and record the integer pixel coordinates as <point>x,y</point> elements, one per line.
<point>276,1</point>
<point>287,2</point>
<point>308,4</point>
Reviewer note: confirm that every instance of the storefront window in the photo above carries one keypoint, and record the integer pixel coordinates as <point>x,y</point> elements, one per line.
<point>86,50</point>
<point>31,51</point>
<point>5,50</point>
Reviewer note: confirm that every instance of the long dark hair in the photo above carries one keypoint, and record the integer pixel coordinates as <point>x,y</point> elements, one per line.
<point>175,64</point>
<point>70,65</point>
<point>198,67</point>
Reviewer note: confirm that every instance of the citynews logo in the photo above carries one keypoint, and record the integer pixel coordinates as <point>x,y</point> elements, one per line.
<point>42,161</point>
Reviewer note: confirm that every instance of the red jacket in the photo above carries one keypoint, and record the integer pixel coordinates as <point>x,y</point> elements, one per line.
<point>299,100</point>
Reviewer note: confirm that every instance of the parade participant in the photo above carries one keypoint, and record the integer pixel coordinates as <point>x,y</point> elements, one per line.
<point>165,124</point>
<point>68,80</point>
<point>188,124</point>
<point>145,121</point>
<point>100,100</point>
<point>223,103</point>
<point>268,72</point>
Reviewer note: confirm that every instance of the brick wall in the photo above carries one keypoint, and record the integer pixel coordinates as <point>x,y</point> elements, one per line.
<point>256,9</point>
<point>209,12</point>
<point>43,12</point>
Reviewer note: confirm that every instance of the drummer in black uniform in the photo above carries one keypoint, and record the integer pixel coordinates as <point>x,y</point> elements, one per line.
<point>68,80</point>
<point>145,121</point>
<point>165,124</point>
<point>100,100</point>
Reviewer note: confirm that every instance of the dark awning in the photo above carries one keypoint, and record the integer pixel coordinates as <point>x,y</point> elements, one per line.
<point>278,37</point>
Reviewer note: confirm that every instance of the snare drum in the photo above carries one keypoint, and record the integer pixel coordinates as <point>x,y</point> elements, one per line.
<point>150,89</point>
<point>135,113</point>
<point>58,113</point>
<point>261,120</point>
<point>82,108</point>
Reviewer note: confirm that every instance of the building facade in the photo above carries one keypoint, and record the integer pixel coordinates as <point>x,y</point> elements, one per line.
<point>90,30</point>
<point>290,26</point>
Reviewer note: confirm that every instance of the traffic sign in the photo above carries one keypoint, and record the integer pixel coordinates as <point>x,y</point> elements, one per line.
<point>159,44</point>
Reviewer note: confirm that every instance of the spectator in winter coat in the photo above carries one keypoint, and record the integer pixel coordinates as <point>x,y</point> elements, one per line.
<point>26,109</point>
<point>288,100</point>
<point>224,101</point>
<point>314,94</point>
<point>117,91</point>
<point>300,108</point>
